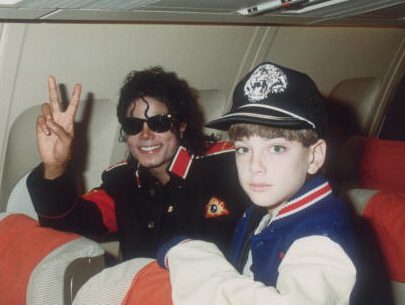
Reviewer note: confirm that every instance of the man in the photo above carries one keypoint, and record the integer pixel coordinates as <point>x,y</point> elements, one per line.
<point>173,181</point>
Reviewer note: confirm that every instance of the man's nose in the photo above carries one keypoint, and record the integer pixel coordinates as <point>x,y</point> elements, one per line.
<point>146,132</point>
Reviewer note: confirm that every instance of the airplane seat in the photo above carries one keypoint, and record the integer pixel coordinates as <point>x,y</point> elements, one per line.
<point>21,156</point>
<point>375,171</point>
<point>213,105</point>
<point>19,200</point>
<point>352,102</point>
<point>350,107</point>
<point>114,284</point>
<point>40,265</point>
<point>96,127</point>
<point>94,134</point>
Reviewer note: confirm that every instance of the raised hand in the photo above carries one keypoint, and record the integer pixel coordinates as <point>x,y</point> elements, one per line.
<point>55,130</point>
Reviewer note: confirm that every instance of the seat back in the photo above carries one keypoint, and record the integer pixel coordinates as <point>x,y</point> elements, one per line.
<point>21,156</point>
<point>353,101</point>
<point>96,127</point>
<point>381,229</point>
<point>375,173</point>
<point>371,163</point>
<point>19,200</point>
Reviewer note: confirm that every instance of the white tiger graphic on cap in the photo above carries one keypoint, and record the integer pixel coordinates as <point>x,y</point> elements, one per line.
<point>265,79</point>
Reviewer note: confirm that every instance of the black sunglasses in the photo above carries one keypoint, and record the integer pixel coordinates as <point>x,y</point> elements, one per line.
<point>157,123</point>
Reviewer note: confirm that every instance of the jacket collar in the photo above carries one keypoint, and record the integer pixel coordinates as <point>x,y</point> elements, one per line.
<point>179,165</point>
<point>181,162</point>
<point>312,192</point>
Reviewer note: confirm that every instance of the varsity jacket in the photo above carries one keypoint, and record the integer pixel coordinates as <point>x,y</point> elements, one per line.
<point>202,199</point>
<point>305,255</point>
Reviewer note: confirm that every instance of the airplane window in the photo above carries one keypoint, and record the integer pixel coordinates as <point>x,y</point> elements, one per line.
<point>394,123</point>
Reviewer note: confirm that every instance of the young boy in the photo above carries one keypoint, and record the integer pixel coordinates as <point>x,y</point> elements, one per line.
<point>295,245</point>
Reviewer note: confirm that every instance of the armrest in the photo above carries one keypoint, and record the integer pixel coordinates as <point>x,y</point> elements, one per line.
<point>113,284</point>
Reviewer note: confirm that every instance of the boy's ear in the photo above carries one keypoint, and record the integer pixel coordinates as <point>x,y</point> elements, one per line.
<point>317,156</point>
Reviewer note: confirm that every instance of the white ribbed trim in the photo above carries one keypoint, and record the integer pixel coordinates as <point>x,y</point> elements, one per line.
<point>110,286</point>
<point>46,282</point>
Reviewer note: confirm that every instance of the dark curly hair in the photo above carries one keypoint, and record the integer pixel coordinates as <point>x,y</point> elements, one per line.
<point>180,99</point>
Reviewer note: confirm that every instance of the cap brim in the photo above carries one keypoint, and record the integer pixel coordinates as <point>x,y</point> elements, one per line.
<point>225,122</point>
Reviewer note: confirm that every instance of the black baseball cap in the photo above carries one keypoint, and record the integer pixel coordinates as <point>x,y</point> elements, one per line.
<point>276,96</point>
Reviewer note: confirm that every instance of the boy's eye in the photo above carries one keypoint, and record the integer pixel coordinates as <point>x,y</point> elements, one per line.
<point>277,149</point>
<point>241,150</point>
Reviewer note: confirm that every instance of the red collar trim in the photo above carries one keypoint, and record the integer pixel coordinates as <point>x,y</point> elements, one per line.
<point>179,166</point>
<point>181,163</point>
<point>305,200</point>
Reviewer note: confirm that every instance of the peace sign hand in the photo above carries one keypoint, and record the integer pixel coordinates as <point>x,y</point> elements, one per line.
<point>55,131</point>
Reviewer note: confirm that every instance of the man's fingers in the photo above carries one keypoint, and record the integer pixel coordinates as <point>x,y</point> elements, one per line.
<point>74,102</point>
<point>41,126</point>
<point>46,111</point>
<point>53,93</point>
<point>63,136</point>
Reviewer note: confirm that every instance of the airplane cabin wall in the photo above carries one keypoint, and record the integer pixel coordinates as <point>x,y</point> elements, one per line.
<point>100,56</point>
<point>211,57</point>
<point>364,65</point>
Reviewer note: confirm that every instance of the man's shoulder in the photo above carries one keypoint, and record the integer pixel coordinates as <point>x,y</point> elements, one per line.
<point>219,155</point>
<point>217,161</point>
<point>117,166</point>
<point>119,169</point>
<point>217,149</point>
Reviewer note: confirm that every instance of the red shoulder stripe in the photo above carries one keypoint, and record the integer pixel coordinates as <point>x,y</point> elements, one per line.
<point>106,205</point>
<point>181,163</point>
<point>306,200</point>
<point>219,148</point>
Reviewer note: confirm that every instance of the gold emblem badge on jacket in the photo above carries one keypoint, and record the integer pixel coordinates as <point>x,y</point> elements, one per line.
<point>215,208</point>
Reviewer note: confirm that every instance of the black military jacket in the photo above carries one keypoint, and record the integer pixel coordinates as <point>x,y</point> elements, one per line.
<point>202,200</point>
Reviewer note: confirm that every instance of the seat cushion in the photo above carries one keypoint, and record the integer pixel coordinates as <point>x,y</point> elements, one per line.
<point>383,165</point>
<point>151,286</point>
<point>385,211</point>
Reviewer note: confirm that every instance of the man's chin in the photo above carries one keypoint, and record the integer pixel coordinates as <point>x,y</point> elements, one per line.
<point>153,164</point>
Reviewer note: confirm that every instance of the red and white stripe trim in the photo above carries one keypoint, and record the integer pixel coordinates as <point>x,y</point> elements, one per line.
<point>305,200</point>
<point>181,163</point>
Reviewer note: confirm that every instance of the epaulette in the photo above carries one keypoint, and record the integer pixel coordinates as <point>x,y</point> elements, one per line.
<point>218,148</point>
<point>181,162</point>
<point>118,164</point>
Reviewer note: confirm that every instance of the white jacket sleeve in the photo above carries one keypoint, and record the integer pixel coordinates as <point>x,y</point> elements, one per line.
<point>314,271</point>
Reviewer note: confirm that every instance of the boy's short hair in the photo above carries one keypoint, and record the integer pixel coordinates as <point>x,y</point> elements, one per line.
<point>306,137</point>
<point>277,96</point>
